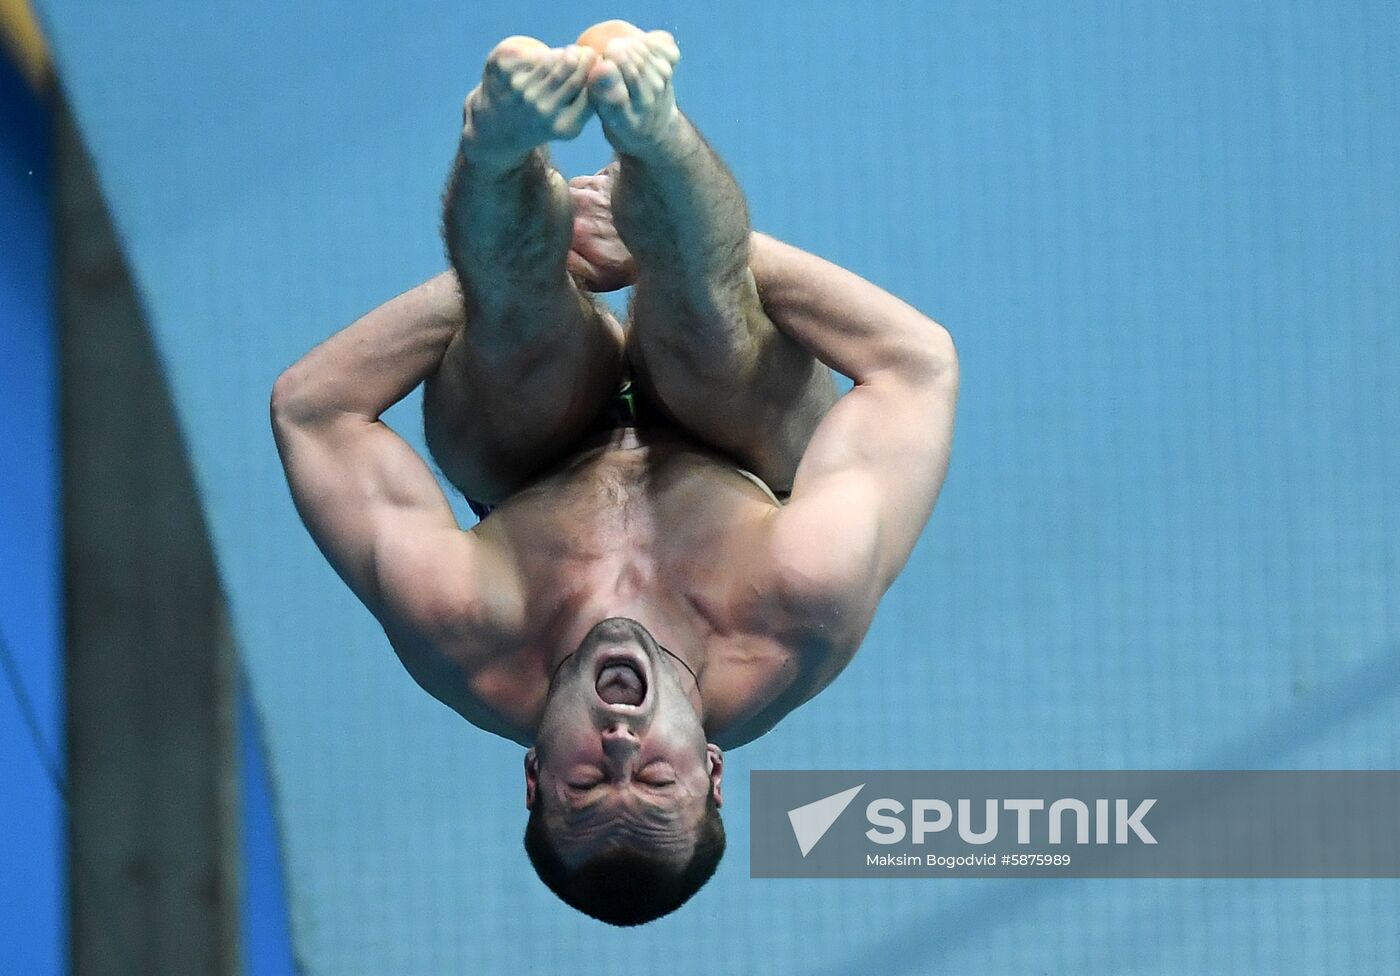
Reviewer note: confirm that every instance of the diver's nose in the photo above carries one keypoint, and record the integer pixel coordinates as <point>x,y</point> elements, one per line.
<point>619,741</point>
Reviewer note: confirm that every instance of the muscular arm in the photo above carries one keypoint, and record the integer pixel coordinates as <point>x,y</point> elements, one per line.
<point>870,475</point>
<point>367,498</point>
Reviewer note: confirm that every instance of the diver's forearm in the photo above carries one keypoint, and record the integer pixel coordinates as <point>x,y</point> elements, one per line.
<point>376,361</point>
<point>850,324</point>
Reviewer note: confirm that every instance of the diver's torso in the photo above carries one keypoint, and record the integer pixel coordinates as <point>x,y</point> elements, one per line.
<point>647,525</point>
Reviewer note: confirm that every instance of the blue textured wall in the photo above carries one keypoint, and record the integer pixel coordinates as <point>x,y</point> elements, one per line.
<point>265,941</point>
<point>1165,238</point>
<point>33,914</point>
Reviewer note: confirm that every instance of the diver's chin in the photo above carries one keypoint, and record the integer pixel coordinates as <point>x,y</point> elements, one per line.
<point>618,630</point>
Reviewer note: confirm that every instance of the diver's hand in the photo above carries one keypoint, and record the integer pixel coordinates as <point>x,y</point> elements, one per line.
<point>598,259</point>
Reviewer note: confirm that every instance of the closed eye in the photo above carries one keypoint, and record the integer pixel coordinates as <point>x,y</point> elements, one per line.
<point>658,774</point>
<point>585,779</point>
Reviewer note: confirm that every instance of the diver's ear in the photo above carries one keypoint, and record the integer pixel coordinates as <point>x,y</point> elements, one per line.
<point>532,777</point>
<point>714,763</point>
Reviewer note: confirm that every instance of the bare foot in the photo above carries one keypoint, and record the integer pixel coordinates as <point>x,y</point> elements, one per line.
<point>630,87</point>
<point>529,94</point>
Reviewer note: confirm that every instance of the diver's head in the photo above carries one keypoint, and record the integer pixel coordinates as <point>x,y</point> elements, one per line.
<point>622,788</point>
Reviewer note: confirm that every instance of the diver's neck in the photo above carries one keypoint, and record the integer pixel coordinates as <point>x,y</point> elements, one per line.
<point>688,675</point>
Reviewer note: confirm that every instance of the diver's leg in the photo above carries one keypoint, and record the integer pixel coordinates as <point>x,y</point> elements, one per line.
<point>537,358</point>
<point>700,340</point>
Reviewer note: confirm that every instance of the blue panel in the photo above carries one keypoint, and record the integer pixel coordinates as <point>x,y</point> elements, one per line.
<point>266,940</point>
<point>1165,238</point>
<point>33,919</point>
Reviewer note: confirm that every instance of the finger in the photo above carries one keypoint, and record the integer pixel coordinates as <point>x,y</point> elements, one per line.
<point>590,203</point>
<point>587,196</point>
<point>581,268</point>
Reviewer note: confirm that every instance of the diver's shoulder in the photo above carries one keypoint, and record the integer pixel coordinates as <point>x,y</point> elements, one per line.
<point>765,677</point>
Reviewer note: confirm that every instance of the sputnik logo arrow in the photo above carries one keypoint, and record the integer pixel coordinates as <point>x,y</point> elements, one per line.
<point>811,821</point>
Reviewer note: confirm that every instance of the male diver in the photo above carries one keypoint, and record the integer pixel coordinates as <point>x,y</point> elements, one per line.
<point>685,532</point>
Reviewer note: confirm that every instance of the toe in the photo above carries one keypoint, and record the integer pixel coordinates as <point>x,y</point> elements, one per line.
<point>514,50</point>
<point>605,79</point>
<point>623,48</point>
<point>571,118</point>
<point>598,35</point>
<point>640,90</point>
<point>653,76</point>
<point>571,87</point>
<point>664,44</point>
<point>536,78</point>
<point>560,67</point>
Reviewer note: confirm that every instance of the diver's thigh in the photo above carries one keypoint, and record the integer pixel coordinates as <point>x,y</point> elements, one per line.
<point>510,396</point>
<point>730,377</point>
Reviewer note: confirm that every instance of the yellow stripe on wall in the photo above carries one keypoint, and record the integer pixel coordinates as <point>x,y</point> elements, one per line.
<point>24,42</point>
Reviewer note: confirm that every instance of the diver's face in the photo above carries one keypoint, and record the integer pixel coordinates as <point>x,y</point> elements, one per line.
<point>620,756</point>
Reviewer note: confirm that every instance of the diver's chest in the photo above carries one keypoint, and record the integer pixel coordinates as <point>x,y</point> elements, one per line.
<point>633,500</point>
<point>632,513</point>
<point>618,539</point>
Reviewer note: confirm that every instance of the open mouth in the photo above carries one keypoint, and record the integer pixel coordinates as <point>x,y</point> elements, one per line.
<point>621,682</point>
